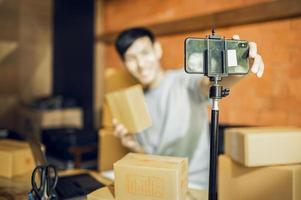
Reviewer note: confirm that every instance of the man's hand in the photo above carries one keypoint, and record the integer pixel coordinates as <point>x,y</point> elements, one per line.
<point>258,65</point>
<point>128,140</point>
<point>257,68</point>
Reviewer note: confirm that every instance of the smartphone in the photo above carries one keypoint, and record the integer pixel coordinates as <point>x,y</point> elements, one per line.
<point>216,56</point>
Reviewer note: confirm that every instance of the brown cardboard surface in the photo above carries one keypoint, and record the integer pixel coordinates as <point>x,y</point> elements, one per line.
<point>264,146</point>
<point>148,177</point>
<point>110,149</point>
<point>237,182</point>
<point>15,158</point>
<point>129,108</point>
<point>116,79</point>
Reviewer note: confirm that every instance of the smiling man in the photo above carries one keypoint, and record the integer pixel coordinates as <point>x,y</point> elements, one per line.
<point>177,103</point>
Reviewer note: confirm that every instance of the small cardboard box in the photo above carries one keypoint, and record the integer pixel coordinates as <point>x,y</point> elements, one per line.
<point>110,149</point>
<point>263,146</point>
<point>237,182</point>
<point>129,108</point>
<point>15,158</point>
<point>105,193</point>
<point>117,78</point>
<point>149,177</point>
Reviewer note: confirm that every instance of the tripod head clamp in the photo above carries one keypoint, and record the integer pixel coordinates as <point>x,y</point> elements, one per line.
<point>218,92</point>
<point>214,36</point>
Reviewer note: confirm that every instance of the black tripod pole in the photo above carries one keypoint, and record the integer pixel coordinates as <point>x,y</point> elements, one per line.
<point>213,153</point>
<point>216,93</point>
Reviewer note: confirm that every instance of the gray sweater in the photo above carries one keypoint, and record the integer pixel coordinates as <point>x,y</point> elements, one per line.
<point>180,123</point>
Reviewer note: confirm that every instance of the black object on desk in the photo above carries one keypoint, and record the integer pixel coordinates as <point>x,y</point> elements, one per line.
<point>76,186</point>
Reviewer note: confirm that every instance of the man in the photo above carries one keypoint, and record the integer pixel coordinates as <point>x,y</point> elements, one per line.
<point>177,103</point>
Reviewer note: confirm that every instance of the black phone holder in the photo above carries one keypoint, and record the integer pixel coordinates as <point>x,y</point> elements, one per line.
<point>219,70</point>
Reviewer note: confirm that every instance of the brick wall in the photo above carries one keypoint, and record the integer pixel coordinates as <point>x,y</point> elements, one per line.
<point>274,99</point>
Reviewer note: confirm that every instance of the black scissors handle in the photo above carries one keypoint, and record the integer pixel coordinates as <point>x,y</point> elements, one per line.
<point>38,174</point>
<point>52,178</point>
<point>47,178</point>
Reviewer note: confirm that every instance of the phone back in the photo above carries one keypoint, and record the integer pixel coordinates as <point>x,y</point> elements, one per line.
<point>216,56</point>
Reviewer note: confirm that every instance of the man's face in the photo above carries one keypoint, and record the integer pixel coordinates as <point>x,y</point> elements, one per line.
<point>142,60</point>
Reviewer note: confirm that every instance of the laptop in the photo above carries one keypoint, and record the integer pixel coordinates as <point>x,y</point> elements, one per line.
<point>71,187</point>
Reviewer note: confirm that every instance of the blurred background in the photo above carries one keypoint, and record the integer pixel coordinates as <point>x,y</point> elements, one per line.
<point>54,55</point>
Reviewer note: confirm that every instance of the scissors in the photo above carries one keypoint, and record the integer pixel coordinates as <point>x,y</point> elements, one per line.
<point>43,181</point>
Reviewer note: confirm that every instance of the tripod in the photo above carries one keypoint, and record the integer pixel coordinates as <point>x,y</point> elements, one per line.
<point>216,93</point>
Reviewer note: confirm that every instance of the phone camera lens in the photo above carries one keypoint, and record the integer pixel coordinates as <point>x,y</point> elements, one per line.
<point>242,45</point>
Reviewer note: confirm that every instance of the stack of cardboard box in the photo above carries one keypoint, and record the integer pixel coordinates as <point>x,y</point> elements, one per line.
<point>261,164</point>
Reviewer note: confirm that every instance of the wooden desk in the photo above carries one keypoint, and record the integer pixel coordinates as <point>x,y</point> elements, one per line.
<point>18,187</point>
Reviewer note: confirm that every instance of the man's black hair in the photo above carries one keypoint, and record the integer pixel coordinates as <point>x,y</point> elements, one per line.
<point>127,37</point>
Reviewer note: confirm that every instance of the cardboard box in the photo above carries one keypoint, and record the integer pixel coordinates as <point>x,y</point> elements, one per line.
<point>32,120</point>
<point>129,108</point>
<point>237,182</point>
<point>110,149</point>
<point>149,177</point>
<point>105,193</point>
<point>117,78</point>
<point>263,146</point>
<point>15,158</point>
